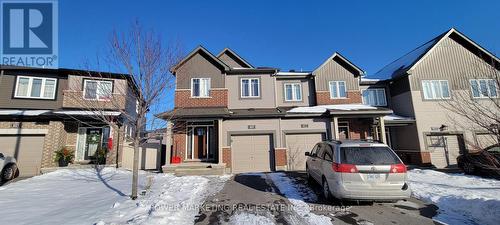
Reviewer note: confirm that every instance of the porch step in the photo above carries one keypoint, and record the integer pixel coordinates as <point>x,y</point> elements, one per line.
<point>190,169</point>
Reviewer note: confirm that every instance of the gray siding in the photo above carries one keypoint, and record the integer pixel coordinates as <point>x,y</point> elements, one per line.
<point>307,85</point>
<point>199,66</point>
<point>231,62</point>
<point>7,100</point>
<point>267,97</point>
<point>334,71</point>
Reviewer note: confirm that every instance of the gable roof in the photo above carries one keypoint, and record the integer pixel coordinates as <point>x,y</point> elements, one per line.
<point>199,49</point>
<point>342,58</point>
<point>234,56</point>
<point>410,60</point>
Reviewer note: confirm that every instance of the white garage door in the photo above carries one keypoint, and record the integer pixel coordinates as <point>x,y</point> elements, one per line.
<point>297,145</point>
<point>29,152</point>
<point>251,153</point>
<point>444,150</point>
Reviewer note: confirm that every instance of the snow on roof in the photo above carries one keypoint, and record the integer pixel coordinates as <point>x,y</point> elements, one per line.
<point>23,112</point>
<point>365,79</point>
<point>394,117</point>
<point>324,108</point>
<point>292,73</point>
<point>88,113</point>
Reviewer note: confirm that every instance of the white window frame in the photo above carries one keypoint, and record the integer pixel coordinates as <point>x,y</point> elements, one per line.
<point>338,89</point>
<point>209,87</point>
<point>294,94</point>
<point>479,88</point>
<point>30,85</point>
<point>375,90</point>
<point>97,94</point>
<point>436,96</point>
<point>250,89</point>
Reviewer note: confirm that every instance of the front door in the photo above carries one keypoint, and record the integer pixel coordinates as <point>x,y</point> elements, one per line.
<point>93,141</point>
<point>200,142</point>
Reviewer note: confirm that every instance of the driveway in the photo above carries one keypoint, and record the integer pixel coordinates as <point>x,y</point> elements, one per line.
<point>256,195</point>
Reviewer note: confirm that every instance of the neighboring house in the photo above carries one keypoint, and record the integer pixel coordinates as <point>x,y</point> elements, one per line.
<point>44,110</point>
<point>422,81</point>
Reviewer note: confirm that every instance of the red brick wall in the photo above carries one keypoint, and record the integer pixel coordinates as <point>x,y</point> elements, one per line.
<point>179,140</point>
<point>280,156</point>
<point>358,129</point>
<point>218,98</point>
<point>226,156</point>
<point>323,98</point>
<point>415,158</point>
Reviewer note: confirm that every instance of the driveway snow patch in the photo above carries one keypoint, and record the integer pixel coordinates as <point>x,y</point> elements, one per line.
<point>461,199</point>
<point>298,194</point>
<point>90,196</point>
<point>249,219</point>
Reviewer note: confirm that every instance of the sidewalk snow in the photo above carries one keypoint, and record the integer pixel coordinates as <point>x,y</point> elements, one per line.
<point>249,219</point>
<point>461,199</point>
<point>298,194</point>
<point>88,196</point>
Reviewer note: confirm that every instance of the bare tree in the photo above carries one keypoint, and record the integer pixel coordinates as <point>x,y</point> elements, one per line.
<point>479,107</point>
<point>143,61</point>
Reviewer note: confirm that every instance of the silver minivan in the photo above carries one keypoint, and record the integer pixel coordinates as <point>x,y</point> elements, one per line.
<point>357,170</point>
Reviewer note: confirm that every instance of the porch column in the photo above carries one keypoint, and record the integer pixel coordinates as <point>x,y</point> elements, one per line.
<point>219,138</point>
<point>168,142</point>
<point>335,129</point>
<point>382,129</point>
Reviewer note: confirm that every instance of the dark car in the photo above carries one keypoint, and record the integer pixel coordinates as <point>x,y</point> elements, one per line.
<point>484,162</point>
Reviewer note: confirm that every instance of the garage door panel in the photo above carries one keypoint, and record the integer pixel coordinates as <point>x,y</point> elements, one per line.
<point>29,152</point>
<point>250,153</point>
<point>297,145</point>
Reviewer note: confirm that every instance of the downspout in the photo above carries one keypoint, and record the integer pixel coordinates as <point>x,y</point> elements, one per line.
<point>118,145</point>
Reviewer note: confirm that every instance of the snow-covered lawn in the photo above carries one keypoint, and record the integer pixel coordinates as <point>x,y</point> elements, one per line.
<point>461,199</point>
<point>88,196</point>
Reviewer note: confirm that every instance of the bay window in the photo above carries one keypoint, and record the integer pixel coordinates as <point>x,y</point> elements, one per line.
<point>35,87</point>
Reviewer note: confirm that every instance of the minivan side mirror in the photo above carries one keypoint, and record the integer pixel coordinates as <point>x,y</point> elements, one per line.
<point>1,155</point>
<point>306,153</point>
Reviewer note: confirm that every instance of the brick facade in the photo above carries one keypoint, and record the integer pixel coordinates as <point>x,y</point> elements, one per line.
<point>280,156</point>
<point>323,98</point>
<point>218,98</point>
<point>179,140</point>
<point>358,128</point>
<point>226,156</point>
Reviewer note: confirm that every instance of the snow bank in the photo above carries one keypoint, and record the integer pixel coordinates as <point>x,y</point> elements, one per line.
<point>249,219</point>
<point>461,199</point>
<point>87,196</point>
<point>297,194</point>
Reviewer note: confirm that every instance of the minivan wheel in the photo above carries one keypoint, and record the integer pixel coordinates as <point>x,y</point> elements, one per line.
<point>468,167</point>
<point>9,172</point>
<point>326,190</point>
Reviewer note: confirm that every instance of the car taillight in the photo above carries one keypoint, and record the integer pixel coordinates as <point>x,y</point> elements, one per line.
<point>344,168</point>
<point>398,168</point>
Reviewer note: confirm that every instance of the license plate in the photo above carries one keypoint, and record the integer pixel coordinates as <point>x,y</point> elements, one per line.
<point>373,177</point>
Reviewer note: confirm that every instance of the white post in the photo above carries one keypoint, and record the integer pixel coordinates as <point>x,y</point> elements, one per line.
<point>336,128</point>
<point>167,139</point>
<point>382,129</point>
<point>219,137</point>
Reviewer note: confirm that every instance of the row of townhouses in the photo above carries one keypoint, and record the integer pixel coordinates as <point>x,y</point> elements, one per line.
<point>245,118</point>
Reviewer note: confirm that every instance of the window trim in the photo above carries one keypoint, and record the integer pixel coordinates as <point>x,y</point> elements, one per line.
<point>294,94</point>
<point>30,85</point>
<point>432,90</point>
<point>250,90</point>
<point>97,96</point>
<point>481,96</point>
<point>209,87</point>
<point>338,89</point>
<point>374,89</point>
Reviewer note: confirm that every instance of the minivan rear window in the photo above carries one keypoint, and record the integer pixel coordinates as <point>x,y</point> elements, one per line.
<point>368,156</point>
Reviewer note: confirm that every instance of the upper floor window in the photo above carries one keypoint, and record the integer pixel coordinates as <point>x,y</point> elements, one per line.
<point>374,97</point>
<point>293,92</point>
<point>436,89</point>
<point>337,89</point>
<point>98,90</point>
<point>35,87</point>
<point>200,87</point>
<point>484,88</point>
<point>250,87</point>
